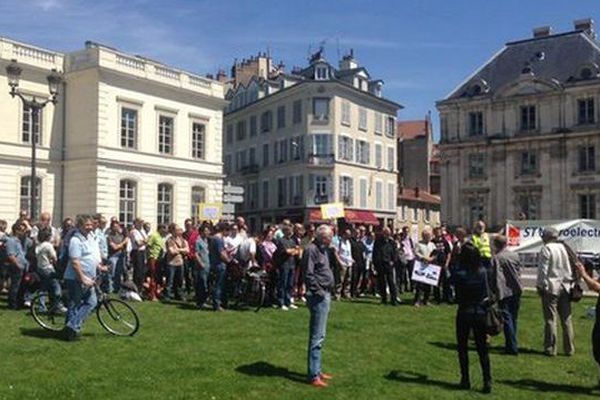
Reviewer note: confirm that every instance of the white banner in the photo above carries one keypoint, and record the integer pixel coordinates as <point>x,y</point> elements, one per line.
<point>426,273</point>
<point>583,235</point>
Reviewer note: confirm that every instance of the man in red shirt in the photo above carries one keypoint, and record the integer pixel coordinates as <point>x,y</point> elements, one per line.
<point>191,236</point>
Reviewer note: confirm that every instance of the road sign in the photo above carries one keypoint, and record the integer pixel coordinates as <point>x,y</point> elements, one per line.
<point>231,198</point>
<point>228,208</point>
<point>230,189</point>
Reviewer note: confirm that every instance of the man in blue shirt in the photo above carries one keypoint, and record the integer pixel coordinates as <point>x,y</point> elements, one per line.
<point>202,270</point>
<point>16,262</point>
<point>84,260</point>
<point>218,263</point>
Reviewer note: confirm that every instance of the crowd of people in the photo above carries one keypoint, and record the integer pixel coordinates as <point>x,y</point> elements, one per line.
<point>304,264</point>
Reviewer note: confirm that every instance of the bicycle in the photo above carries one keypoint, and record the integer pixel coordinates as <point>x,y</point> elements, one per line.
<point>252,288</point>
<point>115,316</point>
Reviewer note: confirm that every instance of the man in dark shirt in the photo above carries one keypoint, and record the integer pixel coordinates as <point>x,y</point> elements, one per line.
<point>219,258</point>
<point>442,292</point>
<point>506,269</point>
<point>385,254</point>
<point>319,281</point>
<point>285,260</point>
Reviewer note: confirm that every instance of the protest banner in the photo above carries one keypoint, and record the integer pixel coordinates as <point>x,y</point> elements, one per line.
<point>210,211</point>
<point>426,273</point>
<point>332,211</point>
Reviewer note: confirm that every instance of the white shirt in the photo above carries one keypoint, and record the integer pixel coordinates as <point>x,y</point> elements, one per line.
<point>345,252</point>
<point>554,270</point>
<point>136,236</point>
<point>44,253</point>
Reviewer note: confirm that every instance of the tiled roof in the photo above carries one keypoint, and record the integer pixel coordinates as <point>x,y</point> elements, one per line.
<point>420,195</point>
<point>412,129</point>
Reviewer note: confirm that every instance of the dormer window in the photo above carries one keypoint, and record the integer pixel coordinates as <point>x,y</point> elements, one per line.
<point>321,73</point>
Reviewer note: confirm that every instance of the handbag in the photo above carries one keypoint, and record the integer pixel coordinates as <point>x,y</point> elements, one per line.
<point>576,292</point>
<point>494,322</point>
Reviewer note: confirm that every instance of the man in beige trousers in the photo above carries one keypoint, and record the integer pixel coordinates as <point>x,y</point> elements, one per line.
<point>554,281</point>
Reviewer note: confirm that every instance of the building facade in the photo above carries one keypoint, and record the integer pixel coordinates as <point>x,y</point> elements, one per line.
<point>130,137</point>
<point>520,137</point>
<point>418,210</point>
<point>317,135</point>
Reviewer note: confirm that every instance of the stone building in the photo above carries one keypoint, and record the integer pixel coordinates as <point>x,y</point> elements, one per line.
<point>316,135</point>
<point>521,134</point>
<point>129,137</point>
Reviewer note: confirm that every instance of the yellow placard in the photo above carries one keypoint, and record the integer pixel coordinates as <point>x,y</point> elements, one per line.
<point>332,210</point>
<point>210,211</point>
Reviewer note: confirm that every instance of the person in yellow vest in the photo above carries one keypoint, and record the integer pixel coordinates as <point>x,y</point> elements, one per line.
<point>481,241</point>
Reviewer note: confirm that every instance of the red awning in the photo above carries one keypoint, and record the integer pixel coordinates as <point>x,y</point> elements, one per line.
<point>352,216</point>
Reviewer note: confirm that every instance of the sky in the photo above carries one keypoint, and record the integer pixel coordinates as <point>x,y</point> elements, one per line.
<point>422,49</point>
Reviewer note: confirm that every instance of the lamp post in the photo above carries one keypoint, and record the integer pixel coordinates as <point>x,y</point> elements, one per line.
<point>35,105</point>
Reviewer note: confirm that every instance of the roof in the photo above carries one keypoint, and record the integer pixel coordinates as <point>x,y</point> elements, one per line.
<point>418,195</point>
<point>554,58</point>
<point>411,129</point>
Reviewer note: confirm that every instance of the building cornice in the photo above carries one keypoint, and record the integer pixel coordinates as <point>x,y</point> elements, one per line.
<point>157,169</point>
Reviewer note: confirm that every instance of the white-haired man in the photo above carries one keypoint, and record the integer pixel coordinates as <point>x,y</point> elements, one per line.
<point>319,281</point>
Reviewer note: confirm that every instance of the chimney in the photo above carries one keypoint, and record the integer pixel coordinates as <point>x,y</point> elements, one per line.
<point>586,25</point>
<point>542,31</point>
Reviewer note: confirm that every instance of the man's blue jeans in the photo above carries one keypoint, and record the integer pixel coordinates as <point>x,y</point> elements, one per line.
<point>82,302</point>
<point>510,312</point>
<point>201,284</point>
<point>49,283</point>
<point>219,289</point>
<point>286,285</point>
<point>175,282</point>
<point>117,270</point>
<point>319,310</point>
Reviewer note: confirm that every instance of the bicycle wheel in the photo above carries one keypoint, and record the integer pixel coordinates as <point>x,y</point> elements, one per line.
<point>44,315</point>
<point>261,297</point>
<point>118,317</point>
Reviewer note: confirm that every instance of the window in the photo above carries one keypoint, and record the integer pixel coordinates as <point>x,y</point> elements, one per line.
<point>198,140</point>
<point>164,204</point>
<point>253,128</point>
<point>378,156</point>
<point>25,197</point>
<point>31,124</point>
<point>321,185</point>
<point>322,144</point>
<point>127,201</point>
<point>321,73</point>
<point>427,214</point>
<point>240,132</point>
<point>297,112</point>
<point>198,196</point>
<point>527,118</point>
<point>378,124</point>
<point>346,113</point>
<point>391,196</point>
<point>476,165</point>
<point>363,152</point>
<point>529,205</point>
<point>346,190</point>
<point>281,191</point>
<point>363,193</point>
<point>280,117</point>
<point>266,121</point>
<point>229,135</point>
<point>391,158</point>
<point>296,147</point>
<point>529,163</point>
<point>587,206</point>
<point>415,211</point>
<point>321,109</point>
<point>476,209</point>
<point>283,151</point>
<point>265,194</point>
<point>587,159</point>
<point>165,134</point>
<point>390,126</point>
<point>241,160</point>
<point>404,212</point>
<point>378,195</point>
<point>345,148</point>
<point>129,128</point>
<point>362,119</point>
<point>586,113</point>
<point>227,164</point>
<point>252,156</point>
<point>296,190</point>
<point>252,197</point>
<point>265,154</point>
<point>476,123</point>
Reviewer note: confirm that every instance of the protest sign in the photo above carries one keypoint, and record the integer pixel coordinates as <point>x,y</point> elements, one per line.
<point>332,210</point>
<point>210,211</point>
<point>426,273</point>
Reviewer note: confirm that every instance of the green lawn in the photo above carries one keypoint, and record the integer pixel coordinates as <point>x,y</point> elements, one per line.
<point>375,352</point>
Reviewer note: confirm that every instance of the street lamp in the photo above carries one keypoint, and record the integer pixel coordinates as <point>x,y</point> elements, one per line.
<point>13,73</point>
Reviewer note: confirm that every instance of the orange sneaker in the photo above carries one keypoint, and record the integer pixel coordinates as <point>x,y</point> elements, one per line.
<point>319,383</point>
<point>326,377</point>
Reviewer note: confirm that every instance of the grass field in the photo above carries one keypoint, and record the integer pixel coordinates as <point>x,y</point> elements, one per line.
<point>375,352</point>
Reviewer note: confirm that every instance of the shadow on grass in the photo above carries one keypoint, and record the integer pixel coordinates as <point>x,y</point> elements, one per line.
<point>41,333</point>
<point>535,385</point>
<point>493,349</point>
<point>419,379</point>
<point>265,369</point>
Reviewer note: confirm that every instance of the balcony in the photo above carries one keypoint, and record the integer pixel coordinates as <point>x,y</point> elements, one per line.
<point>321,159</point>
<point>321,199</point>
<point>250,169</point>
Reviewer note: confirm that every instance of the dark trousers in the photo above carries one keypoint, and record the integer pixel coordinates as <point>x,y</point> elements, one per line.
<point>358,271</point>
<point>422,293</point>
<point>16,276</point>
<point>201,284</point>
<point>386,277</point>
<point>444,291</point>
<point>286,285</point>
<point>188,274</point>
<point>139,267</point>
<point>596,338</point>
<point>465,323</point>
<point>510,313</point>
<point>175,282</point>
<point>220,278</point>
<point>406,269</point>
